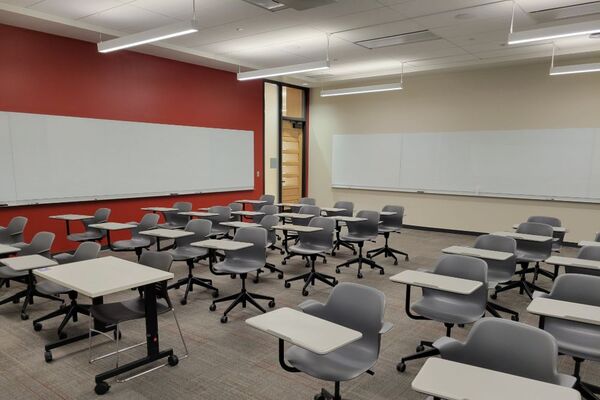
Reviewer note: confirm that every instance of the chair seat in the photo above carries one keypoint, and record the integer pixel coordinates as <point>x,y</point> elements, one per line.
<point>343,364</point>
<point>132,244</point>
<point>237,267</point>
<point>575,339</point>
<point>357,239</point>
<point>51,288</point>
<point>115,313</point>
<point>446,311</point>
<point>63,258</point>
<point>305,250</point>
<point>184,253</point>
<point>8,273</point>
<point>529,256</point>
<point>498,276</point>
<point>85,236</point>
<point>20,245</point>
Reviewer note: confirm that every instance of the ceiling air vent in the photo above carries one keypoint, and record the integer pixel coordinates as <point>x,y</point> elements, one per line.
<point>277,5</point>
<point>558,13</point>
<point>395,40</point>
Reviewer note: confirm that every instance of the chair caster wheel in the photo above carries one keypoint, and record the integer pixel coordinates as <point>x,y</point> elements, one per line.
<point>287,285</point>
<point>115,335</point>
<point>215,294</point>
<point>396,262</point>
<point>101,388</point>
<point>62,335</point>
<point>381,272</point>
<point>16,301</point>
<point>406,258</point>
<point>420,348</point>
<point>24,317</point>
<point>353,252</point>
<point>37,326</point>
<point>173,360</point>
<point>222,259</point>
<point>333,254</point>
<point>48,356</point>
<point>176,287</point>
<point>283,262</point>
<point>183,302</point>
<point>232,276</point>
<point>335,282</point>
<point>305,293</point>
<point>280,275</point>
<point>224,319</point>
<point>515,318</point>
<point>212,307</point>
<point>359,275</point>
<point>324,261</point>
<point>494,296</point>
<point>337,270</point>
<point>281,252</point>
<point>255,280</point>
<point>271,304</point>
<point>401,367</point>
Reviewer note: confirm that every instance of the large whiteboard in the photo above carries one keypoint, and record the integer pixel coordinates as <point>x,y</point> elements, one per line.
<point>550,164</point>
<point>45,158</point>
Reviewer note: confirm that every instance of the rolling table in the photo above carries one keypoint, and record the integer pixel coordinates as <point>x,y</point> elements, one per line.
<point>6,250</point>
<point>573,262</point>
<point>104,276</point>
<point>478,253</point>
<point>27,264</point>
<point>444,379</point>
<point>112,226</point>
<point>577,312</point>
<point>70,217</point>
<point>213,245</point>
<point>161,233</point>
<point>338,228</point>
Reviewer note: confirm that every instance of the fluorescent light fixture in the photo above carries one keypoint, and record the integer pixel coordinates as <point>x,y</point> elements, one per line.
<point>554,32</point>
<point>575,69</point>
<point>280,71</point>
<point>152,35</point>
<point>362,89</point>
<point>395,40</point>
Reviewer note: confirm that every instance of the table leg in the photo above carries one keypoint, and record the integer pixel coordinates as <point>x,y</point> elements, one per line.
<point>108,239</point>
<point>157,243</point>
<point>68,227</point>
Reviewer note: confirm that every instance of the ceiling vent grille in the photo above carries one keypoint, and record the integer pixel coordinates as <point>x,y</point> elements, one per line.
<point>395,40</point>
<point>300,5</point>
<point>574,11</point>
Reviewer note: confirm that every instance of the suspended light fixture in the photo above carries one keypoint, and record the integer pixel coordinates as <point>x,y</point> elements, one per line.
<point>572,69</point>
<point>387,87</point>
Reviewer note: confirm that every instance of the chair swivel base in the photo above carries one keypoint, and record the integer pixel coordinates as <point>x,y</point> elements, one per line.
<point>340,243</point>
<point>422,352</point>
<point>189,283</point>
<point>523,285</point>
<point>290,255</point>
<point>243,298</point>
<point>70,312</point>
<point>310,278</point>
<point>360,260</point>
<point>28,294</point>
<point>494,309</point>
<point>588,391</point>
<point>325,395</point>
<point>387,251</point>
<point>271,268</point>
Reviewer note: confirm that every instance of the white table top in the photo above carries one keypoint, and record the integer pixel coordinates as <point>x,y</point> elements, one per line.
<point>456,381</point>
<point>240,224</point>
<point>103,276</point>
<point>554,228</point>
<point>293,215</point>
<point>304,330</point>
<point>159,209</point>
<point>479,253</point>
<point>6,249</point>
<point>565,310</point>
<point>435,281</point>
<point>289,204</point>
<point>573,262</point>
<point>112,226</point>
<point>247,213</point>
<point>199,214</point>
<point>332,209</point>
<point>226,245</point>
<point>71,217</point>
<point>347,219</point>
<point>25,263</point>
<point>387,213</point>
<point>523,236</point>
<point>251,201</point>
<point>297,228</point>
<point>167,233</point>
<point>203,208</point>
<point>588,243</point>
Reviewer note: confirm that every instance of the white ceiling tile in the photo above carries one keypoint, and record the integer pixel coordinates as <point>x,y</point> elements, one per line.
<point>372,32</point>
<point>417,8</point>
<point>534,5</point>
<point>128,18</point>
<point>502,10</point>
<point>267,58</point>
<point>75,8</point>
<point>21,3</point>
<point>507,51</point>
<point>461,58</point>
<point>376,16</point>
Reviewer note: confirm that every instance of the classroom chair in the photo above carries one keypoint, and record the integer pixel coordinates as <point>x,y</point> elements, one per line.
<point>267,223</point>
<point>578,340</point>
<point>224,215</point>
<point>308,201</point>
<point>312,244</point>
<point>235,207</point>
<point>267,209</point>
<point>115,314</point>
<point>348,207</point>
<point>138,242</point>
<point>360,232</point>
<point>85,251</point>
<point>350,361</point>
<point>555,223</point>
<point>587,253</point>
<point>13,233</point>
<point>269,198</point>
<point>240,263</point>
<point>597,237</point>
<point>510,347</point>
<point>445,307</point>
<point>389,224</point>
<point>184,251</point>
<point>530,252</point>
<point>92,234</point>
<point>172,218</point>
<point>311,210</point>
<point>499,272</point>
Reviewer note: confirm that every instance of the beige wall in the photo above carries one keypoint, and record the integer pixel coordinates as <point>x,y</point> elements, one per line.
<point>271,138</point>
<point>515,97</point>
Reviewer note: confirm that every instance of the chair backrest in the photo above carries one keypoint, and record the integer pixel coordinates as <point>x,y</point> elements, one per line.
<point>223,211</point>
<point>576,288</point>
<point>586,253</point>
<point>101,215</point>
<point>14,231</point>
<point>255,254</point>
<point>597,237</point>
<point>319,239</point>
<point>393,221</point>
<point>554,222</point>
<point>268,209</point>
<point>40,244</point>
<point>173,217</point>
<point>368,228</point>
<point>348,207</point>
<point>236,206</point>
<point>148,221</point>
<point>201,229</point>
<point>309,201</point>
<point>510,347</point>
<point>499,243</point>
<point>270,200</point>
<point>268,222</point>
<point>536,228</point>
<point>86,251</point>
<point>312,210</point>
<point>155,259</point>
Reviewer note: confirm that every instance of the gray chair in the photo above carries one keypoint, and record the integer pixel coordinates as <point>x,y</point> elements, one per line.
<point>445,307</point>
<point>354,359</point>
<point>578,340</point>
<point>85,251</point>
<point>40,244</point>
<point>359,233</point>
<point>269,198</point>
<point>309,210</point>
<point>348,207</point>
<point>597,237</point>
<point>138,242</point>
<point>224,215</point>
<point>499,271</point>
<point>241,262</point>
<point>509,347</point>
<point>184,251</point>
<point>530,252</point>
<point>112,315</point>
<point>13,233</point>
<point>389,224</point>
<point>92,234</point>
<point>267,209</point>
<point>235,207</point>
<point>268,222</point>
<point>311,244</point>
<point>172,218</point>
<point>587,253</point>
<point>559,238</point>
<point>308,201</point>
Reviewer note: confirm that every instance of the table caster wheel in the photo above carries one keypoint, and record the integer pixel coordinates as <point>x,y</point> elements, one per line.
<point>381,272</point>
<point>280,275</point>
<point>281,252</point>
<point>337,270</point>
<point>224,319</point>
<point>212,307</point>
<point>37,326</point>
<point>183,302</point>
<point>333,253</point>
<point>62,335</point>
<point>101,388</point>
<point>420,348</point>
<point>359,275</point>
<point>215,294</point>
<point>335,282</point>
<point>305,293</point>
<point>287,285</point>
<point>48,356</point>
<point>24,316</point>
<point>401,367</point>
<point>271,303</point>
<point>494,296</point>
<point>515,318</point>
<point>173,360</point>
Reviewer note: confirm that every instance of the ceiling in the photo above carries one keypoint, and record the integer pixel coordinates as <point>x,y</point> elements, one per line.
<point>236,34</point>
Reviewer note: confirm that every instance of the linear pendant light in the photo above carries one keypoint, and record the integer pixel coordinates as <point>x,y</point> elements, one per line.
<point>280,71</point>
<point>362,89</point>
<point>575,69</point>
<point>152,35</point>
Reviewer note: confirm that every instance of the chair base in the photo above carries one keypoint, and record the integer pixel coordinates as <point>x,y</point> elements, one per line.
<point>192,280</point>
<point>29,293</point>
<point>523,285</point>
<point>70,312</point>
<point>243,297</point>
<point>271,268</point>
<point>325,395</point>
<point>588,391</point>
<point>387,251</point>
<point>421,353</point>
<point>494,309</point>
<point>291,255</point>
<point>310,278</point>
<point>360,260</point>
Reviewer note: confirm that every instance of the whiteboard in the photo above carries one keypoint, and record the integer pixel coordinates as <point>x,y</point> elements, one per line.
<point>45,158</point>
<point>550,164</point>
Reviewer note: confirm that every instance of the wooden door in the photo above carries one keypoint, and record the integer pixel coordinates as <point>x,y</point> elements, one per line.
<point>291,162</point>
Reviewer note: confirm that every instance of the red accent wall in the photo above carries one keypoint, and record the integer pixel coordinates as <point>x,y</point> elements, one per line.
<point>47,74</point>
